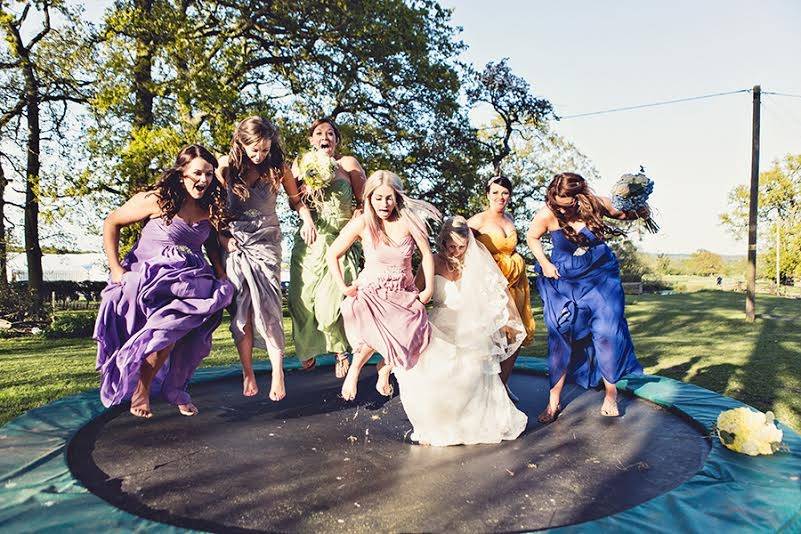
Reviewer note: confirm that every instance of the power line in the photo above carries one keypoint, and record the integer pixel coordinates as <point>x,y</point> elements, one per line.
<point>781,94</point>
<point>663,103</point>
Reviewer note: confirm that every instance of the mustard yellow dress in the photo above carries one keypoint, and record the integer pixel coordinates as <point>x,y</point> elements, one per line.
<point>513,267</point>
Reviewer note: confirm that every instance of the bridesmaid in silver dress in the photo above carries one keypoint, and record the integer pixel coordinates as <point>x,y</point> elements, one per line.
<point>252,173</point>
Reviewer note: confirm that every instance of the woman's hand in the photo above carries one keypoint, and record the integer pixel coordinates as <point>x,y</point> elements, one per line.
<point>350,291</point>
<point>228,243</point>
<point>308,232</point>
<point>425,295</point>
<point>549,270</point>
<point>116,274</point>
<point>509,333</point>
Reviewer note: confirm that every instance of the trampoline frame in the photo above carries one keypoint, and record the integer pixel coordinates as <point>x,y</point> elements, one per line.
<point>730,491</point>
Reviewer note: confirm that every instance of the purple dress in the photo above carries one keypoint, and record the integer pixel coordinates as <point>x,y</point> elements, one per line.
<point>169,295</point>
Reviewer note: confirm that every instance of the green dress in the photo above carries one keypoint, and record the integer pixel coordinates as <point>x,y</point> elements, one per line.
<point>314,297</point>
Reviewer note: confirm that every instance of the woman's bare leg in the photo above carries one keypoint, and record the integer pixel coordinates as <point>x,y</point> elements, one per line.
<point>609,407</point>
<point>550,413</point>
<point>360,358</point>
<point>245,349</point>
<point>140,400</point>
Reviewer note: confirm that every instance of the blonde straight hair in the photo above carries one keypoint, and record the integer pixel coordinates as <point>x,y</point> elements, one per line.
<point>415,212</point>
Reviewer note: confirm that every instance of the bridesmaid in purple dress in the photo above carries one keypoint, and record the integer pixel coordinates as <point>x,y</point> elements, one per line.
<point>163,301</point>
<point>383,310</point>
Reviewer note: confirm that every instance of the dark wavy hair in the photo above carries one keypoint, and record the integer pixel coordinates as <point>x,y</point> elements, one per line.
<point>586,207</point>
<point>502,181</point>
<point>250,131</point>
<point>171,191</point>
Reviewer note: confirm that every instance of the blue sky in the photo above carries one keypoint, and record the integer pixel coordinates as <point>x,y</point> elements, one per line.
<point>592,55</point>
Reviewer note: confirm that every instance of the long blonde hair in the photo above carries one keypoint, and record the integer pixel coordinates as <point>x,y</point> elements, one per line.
<point>454,229</point>
<point>414,212</point>
<point>250,131</point>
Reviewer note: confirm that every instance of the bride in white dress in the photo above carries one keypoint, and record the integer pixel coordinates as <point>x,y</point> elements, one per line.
<point>454,394</point>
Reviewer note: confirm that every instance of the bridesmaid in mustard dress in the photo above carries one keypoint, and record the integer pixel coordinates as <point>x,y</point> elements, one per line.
<point>496,230</point>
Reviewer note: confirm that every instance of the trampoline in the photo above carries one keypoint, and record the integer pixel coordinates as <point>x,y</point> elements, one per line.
<point>315,463</point>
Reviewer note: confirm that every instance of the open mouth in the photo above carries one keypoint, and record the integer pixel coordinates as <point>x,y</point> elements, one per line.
<point>324,145</point>
<point>200,188</point>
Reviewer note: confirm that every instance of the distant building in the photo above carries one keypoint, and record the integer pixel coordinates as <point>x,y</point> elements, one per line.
<point>90,266</point>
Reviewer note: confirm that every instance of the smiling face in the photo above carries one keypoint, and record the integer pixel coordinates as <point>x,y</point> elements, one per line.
<point>383,202</point>
<point>498,197</point>
<point>259,151</point>
<point>455,247</point>
<point>324,138</point>
<point>198,176</point>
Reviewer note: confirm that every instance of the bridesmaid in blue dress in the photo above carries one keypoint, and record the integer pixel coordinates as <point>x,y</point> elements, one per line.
<point>582,297</point>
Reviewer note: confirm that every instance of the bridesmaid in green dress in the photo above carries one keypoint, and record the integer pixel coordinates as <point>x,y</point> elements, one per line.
<point>314,296</point>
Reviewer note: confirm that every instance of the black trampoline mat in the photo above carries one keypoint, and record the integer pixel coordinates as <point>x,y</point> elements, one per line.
<point>314,463</point>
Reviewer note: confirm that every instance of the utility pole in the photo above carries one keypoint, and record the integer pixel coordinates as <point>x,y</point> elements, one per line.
<point>750,290</point>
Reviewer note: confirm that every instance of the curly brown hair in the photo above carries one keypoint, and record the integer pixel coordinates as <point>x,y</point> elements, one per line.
<point>250,131</point>
<point>171,192</point>
<point>586,207</point>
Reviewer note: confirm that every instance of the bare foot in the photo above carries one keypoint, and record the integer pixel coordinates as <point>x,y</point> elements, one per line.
<point>249,385</point>
<point>350,385</point>
<point>277,388</point>
<point>609,407</point>
<point>342,365</point>
<point>187,409</point>
<point>383,385</point>
<point>140,403</point>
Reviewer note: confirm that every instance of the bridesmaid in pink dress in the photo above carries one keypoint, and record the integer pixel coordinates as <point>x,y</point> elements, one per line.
<point>383,310</point>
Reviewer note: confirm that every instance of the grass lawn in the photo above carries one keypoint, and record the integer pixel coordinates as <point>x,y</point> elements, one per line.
<point>698,337</point>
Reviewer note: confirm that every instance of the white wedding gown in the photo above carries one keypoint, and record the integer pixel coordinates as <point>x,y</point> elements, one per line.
<point>454,394</point>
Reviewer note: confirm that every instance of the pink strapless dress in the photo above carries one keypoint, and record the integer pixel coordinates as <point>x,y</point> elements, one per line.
<point>386,313</point>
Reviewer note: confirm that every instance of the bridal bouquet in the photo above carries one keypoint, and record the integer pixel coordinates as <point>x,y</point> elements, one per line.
<point>631,193</point>
<point>749,432</point>
<point>317,171</point>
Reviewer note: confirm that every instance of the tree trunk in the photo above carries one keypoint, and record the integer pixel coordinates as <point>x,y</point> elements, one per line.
<point>33,251</point>
<point>3,244</point>
<point>778,256</point>
<point>143,89</point>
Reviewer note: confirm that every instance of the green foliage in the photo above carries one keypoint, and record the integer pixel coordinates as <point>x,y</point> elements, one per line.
<point>15,302</point>
<point>663,265</point>
<point>779,214</point>
<point>188,71</point>
<point>633,266</point>
<point>71,325</point>
<point>704,262</point>
<point>512,102</point>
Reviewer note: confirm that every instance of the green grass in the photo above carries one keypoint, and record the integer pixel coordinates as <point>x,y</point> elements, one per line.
<point>698,337</point>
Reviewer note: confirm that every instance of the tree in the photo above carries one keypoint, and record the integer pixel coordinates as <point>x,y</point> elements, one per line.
<point>172,71</point>
<point>663,264</point>
<point>512,103</point>
<point>705,263</point>
<point>632,264</point>
<point>779,208</point>
<point>41,82</point>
